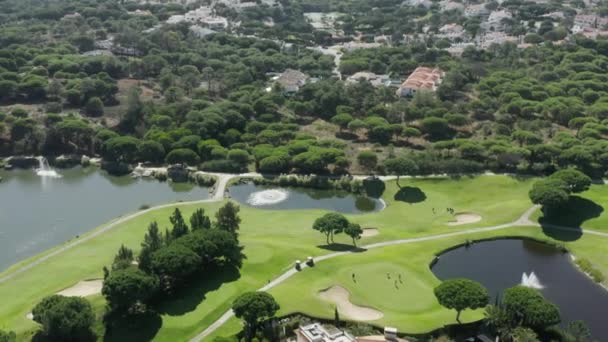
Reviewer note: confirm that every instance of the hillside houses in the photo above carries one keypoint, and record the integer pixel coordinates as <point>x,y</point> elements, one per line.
<point>451,32</point>
<point>422,79</point>
<point>496,21</point>
<point>584,21</point>
<point>476,10</point>
<point>203,16</point>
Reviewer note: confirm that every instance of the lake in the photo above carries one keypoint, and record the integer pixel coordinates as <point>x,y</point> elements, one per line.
<point>38,213</point>
<point>303,198</point>
<point>500,264</point>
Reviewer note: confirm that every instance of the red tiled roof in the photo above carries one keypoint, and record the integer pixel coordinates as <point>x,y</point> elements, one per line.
<point>423,78</point>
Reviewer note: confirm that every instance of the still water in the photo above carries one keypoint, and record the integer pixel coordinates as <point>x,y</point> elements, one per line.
<point>304,198</point>
<point>500,264</point>
<point>38,213</point>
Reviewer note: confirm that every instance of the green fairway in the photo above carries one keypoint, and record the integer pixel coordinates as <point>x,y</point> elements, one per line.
<point>272,240</point>
<point>409,305</point>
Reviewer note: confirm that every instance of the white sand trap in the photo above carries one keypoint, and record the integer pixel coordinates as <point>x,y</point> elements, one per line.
<point>83,288</point>
<point>30,316</point>
<point>367,232</point>
<point>340,296</point>
<point>464,218</point>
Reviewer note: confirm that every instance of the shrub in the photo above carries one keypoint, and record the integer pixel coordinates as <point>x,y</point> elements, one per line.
<point>19,112</point>
<point>221,166</point>
<point>588,268</point>
<point>239,156</point>
<point>94,107</point>
<point>202,179</point>
<point>182,155</point>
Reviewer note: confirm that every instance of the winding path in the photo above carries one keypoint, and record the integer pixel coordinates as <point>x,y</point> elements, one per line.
<point>523,220</point>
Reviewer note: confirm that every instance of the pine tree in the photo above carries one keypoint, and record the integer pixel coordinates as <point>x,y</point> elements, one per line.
<point>179,225</point>
<point>227,218</point>
<point>198,220</point>
<point>123,259</point>
<point>153,239</point>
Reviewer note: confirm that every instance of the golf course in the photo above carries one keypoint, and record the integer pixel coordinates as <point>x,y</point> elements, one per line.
<point>387,277</point>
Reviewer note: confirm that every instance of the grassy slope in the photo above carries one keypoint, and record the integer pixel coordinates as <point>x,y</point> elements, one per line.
<point>411,307</point>
<point>273,240</point>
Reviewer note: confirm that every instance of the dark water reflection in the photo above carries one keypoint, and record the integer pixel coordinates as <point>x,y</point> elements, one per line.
<point>39,213</point>
<point>304,198</point>
<point>500,264</point>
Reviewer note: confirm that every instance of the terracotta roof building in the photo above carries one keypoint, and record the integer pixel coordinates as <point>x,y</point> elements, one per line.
<point>423,78</point>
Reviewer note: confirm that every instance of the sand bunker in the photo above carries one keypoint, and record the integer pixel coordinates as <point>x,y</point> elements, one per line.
<point>367,232</point>
<point>340,296</point>
<point>464,218</point>
<point>83,288</point>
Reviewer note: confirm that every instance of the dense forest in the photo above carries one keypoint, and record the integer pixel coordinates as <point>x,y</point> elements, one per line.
<point>168,96</point>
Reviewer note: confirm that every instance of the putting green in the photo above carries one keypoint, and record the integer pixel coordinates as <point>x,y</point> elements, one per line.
<point>272,240</point>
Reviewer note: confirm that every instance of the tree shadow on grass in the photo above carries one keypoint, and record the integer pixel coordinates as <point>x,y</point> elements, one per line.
<point>190,295</point>
<point>564,224</point>
<point>410,195</point>
<point>374,187</point>
<point>140,327</point>
<point>342,247</point>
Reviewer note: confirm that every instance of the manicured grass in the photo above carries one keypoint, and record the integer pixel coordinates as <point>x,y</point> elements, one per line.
<point>411,305</point>
<point>498,199</point>
<point>272,240</point>
<point>584,210</point>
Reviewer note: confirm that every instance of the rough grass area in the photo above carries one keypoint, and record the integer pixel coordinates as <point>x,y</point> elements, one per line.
<point>272,240</point>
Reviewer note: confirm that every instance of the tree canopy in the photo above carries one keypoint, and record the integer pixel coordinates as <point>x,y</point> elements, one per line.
<point>254,307</point>
<point>65,318</point>
<point>330,224</point>
<point>461,294</point>
<point>528,306</point>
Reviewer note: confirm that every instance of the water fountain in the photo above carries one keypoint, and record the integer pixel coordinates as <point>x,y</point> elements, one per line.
<point>45,170</point>
<point>268,197</point>
<point>531,281</point>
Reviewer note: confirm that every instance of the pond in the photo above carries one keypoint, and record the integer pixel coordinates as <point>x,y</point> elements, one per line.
<point>500,264</point>
<point>274,197</point>
<point>38,213</point>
